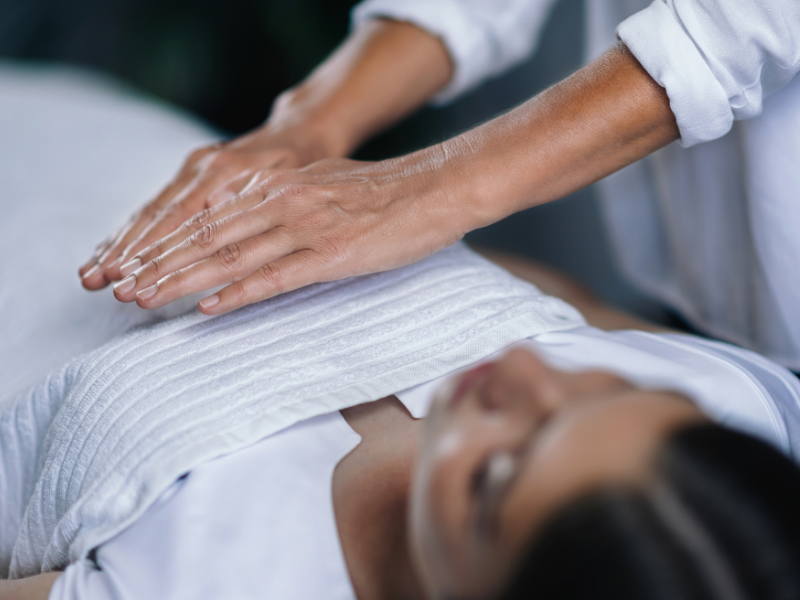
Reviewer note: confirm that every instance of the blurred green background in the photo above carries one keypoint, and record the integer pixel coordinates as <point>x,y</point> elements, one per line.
<point>227,61</point>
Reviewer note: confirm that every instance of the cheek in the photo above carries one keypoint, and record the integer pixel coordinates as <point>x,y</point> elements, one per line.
<point>439,511</point>
<point>439,494</point>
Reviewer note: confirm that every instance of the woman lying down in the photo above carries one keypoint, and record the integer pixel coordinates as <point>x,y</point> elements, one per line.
<point>246,456</point>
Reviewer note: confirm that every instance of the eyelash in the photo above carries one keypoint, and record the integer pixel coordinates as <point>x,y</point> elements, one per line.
<point>487,492</point>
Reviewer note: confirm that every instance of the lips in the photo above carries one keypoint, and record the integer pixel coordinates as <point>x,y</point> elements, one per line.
<point>468,381</point>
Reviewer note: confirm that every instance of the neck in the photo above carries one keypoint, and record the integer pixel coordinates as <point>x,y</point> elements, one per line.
<point>370,499</point>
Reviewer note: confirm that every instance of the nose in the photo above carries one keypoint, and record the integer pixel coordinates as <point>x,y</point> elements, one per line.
<point>522,383</point>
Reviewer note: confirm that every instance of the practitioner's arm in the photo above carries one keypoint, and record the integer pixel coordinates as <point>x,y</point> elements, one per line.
<point>31,588</point>
<point>381,73</point>
<point>340,218</point>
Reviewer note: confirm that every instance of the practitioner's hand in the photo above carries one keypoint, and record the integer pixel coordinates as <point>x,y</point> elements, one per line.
<point>383,71</point>
<point>334,219</point>
<point>209,176</point>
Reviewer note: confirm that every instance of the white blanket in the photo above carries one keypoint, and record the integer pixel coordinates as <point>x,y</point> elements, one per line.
<point>84,453</point>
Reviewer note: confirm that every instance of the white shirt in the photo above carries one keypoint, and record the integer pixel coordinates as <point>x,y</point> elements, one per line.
<point>708,225</point>
<point>259,523</point>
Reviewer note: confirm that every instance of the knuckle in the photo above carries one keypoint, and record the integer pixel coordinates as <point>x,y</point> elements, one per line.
<point>197,221</point>
<point>176,280</point>
<point>157,267</point>
<point>276,179</point>
<point>148,212</point>
<point>231,257</point>
<point>272,276</point>
<point>204,237</point>
<point>153,251</point>
<point>271,182</point>
<point>224,158</point>
<point>294,190</point>
<point>239,292</point>
<point>166,212</point>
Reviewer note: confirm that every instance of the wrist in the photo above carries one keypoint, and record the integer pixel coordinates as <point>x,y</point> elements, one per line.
<point>309,116</point>
<point>448,185</point>
<point>476,179</point>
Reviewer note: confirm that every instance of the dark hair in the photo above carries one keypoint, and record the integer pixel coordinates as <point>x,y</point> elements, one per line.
<point>723,524</point>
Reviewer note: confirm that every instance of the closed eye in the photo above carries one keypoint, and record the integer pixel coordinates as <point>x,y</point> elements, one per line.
<point>490,484</point>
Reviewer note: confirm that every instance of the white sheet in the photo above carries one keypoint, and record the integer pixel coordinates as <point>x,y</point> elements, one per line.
<point>77,155</point>
<point>259,523</point>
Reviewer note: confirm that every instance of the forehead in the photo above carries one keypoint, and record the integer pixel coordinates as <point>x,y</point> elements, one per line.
<point>612,441</point>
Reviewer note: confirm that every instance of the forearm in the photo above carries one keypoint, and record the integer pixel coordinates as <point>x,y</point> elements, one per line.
<point>606,116</point>
<point>381,73</point>
<point>337,218</point>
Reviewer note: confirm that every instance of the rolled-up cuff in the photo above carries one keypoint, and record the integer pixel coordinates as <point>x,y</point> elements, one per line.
<point>667,52</point>
<point>467,43</point>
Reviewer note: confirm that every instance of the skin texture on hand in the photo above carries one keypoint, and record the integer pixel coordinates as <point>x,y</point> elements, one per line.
<point>384,70</point>
<point>209,176</point>
<point>331,220</point>
<point>340,218</point>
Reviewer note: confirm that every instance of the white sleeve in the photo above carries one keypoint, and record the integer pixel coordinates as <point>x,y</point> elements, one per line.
<point>483,37</point>
<point>717,59</point>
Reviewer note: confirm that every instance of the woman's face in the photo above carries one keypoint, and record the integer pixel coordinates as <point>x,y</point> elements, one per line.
<point>506,445</point>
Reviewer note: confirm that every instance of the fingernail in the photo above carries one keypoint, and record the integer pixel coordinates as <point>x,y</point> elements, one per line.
<point>126,285</point>
<point>147,293</point>
<point>210,301</point>
<point>114,263</point>
<point>130,266</point>
<point>91,272</point>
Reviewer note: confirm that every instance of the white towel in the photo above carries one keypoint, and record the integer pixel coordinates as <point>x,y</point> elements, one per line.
<point>88,450</point>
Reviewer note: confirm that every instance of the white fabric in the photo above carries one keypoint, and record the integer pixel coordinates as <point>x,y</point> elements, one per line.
<point>259,523</point>
<point>77,155</point>
<point>255,524</point>
<point>717,59</point>
<point>174,393</point>
<point>63,517</point>
<point>162,399</point>
<point>484,37</point>
<point>711,229</point>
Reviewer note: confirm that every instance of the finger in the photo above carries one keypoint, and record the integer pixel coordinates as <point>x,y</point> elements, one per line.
<point>98,251</point>
<point>231,263</point>
<point>96,278</point>
<point>288,273</point>
<point>210,239</point>
<point>190,202</point>
<point>244,182</point>
<point>198,229</point>
<point>230,189</point>
<point>222,187</point>
<point>258,178</point>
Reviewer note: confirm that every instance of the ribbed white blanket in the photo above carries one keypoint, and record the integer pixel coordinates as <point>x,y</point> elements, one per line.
<point>86,452</point>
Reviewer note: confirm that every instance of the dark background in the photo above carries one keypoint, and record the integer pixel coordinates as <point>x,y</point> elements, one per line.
<point>226,62</point>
